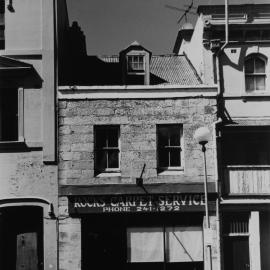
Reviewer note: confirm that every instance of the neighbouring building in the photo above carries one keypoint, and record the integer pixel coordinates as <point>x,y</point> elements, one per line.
<point>28,170</point>
<point>130,173</point>
<point>240,66</point>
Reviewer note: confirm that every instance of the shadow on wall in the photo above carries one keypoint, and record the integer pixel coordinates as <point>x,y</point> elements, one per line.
<point>78,68</point>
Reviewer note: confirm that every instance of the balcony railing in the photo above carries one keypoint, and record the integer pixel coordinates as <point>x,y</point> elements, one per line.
<point>247,180</point>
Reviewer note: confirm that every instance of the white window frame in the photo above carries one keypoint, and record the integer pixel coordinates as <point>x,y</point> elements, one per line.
<point>171,168</point>
<point>254,74</point>
<point>107,170</point>
<point>132,70</point>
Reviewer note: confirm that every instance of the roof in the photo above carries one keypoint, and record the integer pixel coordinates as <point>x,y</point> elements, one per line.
<point>107,71</point>
<point>167,69</point>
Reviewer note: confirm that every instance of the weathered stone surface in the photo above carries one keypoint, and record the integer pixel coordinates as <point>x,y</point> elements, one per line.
<point>137,120</point>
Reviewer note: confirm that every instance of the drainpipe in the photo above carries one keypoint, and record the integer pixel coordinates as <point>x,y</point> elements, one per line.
<point>217,189</point>
<point>226,25</point>
<point>219,94</point>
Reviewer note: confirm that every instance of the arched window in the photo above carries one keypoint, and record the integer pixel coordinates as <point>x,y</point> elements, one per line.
<point>255,73</point>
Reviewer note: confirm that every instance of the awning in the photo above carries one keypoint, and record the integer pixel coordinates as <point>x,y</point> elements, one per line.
<point>17,73</point>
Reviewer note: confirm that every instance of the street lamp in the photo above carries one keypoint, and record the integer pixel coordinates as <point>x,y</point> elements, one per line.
<point>202,136</point>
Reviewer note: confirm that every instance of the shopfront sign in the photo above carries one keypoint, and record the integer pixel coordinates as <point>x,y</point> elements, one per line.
<point>137,203</point>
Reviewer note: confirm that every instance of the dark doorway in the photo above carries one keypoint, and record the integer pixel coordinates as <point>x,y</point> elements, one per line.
<point>21,234</point>
<point>236,253</point>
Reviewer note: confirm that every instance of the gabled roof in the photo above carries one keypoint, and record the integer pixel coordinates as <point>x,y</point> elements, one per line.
<point>135,45</point>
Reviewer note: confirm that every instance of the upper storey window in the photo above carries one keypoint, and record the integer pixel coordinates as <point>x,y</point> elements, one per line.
<point>169,147</point>
<point>9,114</point>
<point>135,63</point>
<point>2,24</point>
<point>106,149</point>
<point>255,73</point>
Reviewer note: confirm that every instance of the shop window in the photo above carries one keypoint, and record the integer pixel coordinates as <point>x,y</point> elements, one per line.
<point>2,24</point>
<point>106,149</point>
<point>135,242</point>
<point>169,147</point>
<point>247,146</point>
<point>255,73</point>
<point>135,63</point>
<point>9,124</point>
<point>176,246</point>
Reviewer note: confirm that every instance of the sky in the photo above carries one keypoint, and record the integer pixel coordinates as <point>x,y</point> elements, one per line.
<point>111,25</point>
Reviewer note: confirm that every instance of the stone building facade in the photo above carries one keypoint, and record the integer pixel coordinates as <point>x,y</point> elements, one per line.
<point>117,185</point>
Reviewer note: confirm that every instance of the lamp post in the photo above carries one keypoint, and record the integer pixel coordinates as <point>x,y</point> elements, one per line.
<point>202,136</point>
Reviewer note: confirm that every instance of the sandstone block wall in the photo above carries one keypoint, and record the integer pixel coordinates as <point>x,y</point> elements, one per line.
<point>138,120</point>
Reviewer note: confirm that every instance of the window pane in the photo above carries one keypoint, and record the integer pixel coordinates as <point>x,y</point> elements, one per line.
<point>252,148</point>
<point>113,159</point>
<point>185,244</point>
<point>259,66</point>
<point>163,158</point>
<point>175,136</point>
<point>140,66</point>
<point>112,137</point>
<point>9,114</point>
<point>162,137</point>
<point>145,245</point>
<point>249,66</point>
<point>100,138</point>
<point>101,160</point>
<point>175,160</point>
<point>250,83</point>
<point>260,82</point>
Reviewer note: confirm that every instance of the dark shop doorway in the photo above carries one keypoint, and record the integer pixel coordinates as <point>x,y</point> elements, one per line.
<point>236,253</point>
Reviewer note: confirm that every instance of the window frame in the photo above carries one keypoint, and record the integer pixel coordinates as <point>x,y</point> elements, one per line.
<point>180,147</point>
<point>255,74</point>
<point>131,69</point>
<point>20,115</point>
<point>165,247</point>
<point>98,169</point>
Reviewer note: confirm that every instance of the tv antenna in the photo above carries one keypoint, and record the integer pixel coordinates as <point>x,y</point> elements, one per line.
<point>189,10</point>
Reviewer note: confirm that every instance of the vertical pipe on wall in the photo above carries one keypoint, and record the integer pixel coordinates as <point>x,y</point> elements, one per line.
<point>226,22</point>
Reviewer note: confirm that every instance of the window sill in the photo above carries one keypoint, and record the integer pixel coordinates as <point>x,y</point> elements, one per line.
<point>12,145</point>
<point>176,171</point>
<point>20,145</point>
<point>256,94</point>
<point>108,174</point>
<point>246,166</point>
